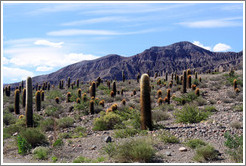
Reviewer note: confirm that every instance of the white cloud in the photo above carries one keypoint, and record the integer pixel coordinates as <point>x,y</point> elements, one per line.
<point>44,68</point>
<point>48,43</point>
<point>221,47</point>
<point>201,45</point>
<point>5,61</point>
<point>16,73</point>
<point>216,23</point>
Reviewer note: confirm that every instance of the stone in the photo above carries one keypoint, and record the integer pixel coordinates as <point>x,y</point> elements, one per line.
<point>182,149</point>
<point>15,134</point>
<point>93,147</point>
<point>50,137</point>
<point>107,139</point>
<point>168,153</point>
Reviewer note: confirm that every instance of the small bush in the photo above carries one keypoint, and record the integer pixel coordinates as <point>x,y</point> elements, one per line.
<point>238,108</point>
<point>65,135</point>
<point>107,121</point>
<point>54,159</point>
<point>11,129</point>
<point>236,125</point>
<point>47,125</point>
<point>167,137</point>
<point>210,109</point>
<point>82,159</point>
<point>23,146</point>
<point>11,108</point>
<point>65,122</point>
<point>33,136</point>
<point>41,153</point>
<point>58,142</point>
<point>205,153</point>
<point>195,143</point>
<point>109,149</point>
<point>200,101</point>
<point>235,147</point>
<point>158,116</point>
<point>52,111</point>
<point>8,118</point>
<point>191,114</point>
<point>128,132</point>
<point>79,132</point>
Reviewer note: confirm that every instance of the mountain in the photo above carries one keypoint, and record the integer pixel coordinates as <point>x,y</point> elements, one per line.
<point>176,57</point>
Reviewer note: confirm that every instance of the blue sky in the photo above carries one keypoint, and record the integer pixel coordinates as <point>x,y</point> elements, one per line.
<point>40,38</point>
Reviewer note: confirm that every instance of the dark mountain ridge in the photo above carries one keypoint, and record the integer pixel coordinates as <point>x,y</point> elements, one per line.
<point>175,57</point>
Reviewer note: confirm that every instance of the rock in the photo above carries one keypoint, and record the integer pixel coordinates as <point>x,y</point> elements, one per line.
<point>182,149</point>
<point>50,137</point>
<point>15,134</point>
<point>93,147</point>
<point>168,153</point>
<point>107,139</point>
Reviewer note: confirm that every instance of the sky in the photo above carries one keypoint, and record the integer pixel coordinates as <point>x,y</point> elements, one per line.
<point>41,38</point>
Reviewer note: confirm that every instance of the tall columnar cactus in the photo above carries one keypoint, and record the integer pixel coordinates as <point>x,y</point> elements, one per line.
<point>99,80</point>
<point>123,76</point>
<point>60,84</point>
<point>42,95</point>
<point>196,75</point>
<point>79,93</point>
<point>197,91</point>
<point>159,93</point>
<point>78,100</point>
<point>146,119</point>
<point>91,107</point>
<point>77,83</point>
<point>84,97</point>
<point>48,86</point>
<point>188,72</point>
<point>235,84</point>
<point>138,77</point>
<point>29,111</point>
<point>24,98</point>
<point>189,81</point>
<point>68,97</point>
<point>200,79</point>
<point>57,100</point>
<point>184,82</point>
<point>68,82</point>
<point>22,84</point>
<point>166,76</point>
<point>93,89</point>
<point>172,76</point>
<point>108,84</point>
<point>38,100</point>
<point>114,88</point>
<point>17,102</point>
<point>168,96</point>
<point>9,92</point>
<point>177,79</point>
<point>122,92</point>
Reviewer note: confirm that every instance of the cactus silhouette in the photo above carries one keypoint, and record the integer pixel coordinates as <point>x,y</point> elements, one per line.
<point>68,82</point>
<point>78,100</point>
<point>24,98</point>
<point>123,101</point>
<point>93,89</point>
<point>197,92</point>
<point>114,88</point>
<point>123,76</point>
<point>17,102</point>
<point>235,84</point>
<point>68,97</point>
<point>189,81</point>
<point>184,82</point>
<point>196,75</point>
<point>57,100</point>
<point>77,83</point>
<point>29,111</point>
<point>38,100</point>
<point>168,96</point>
<point>42,95</point>
<point>146,119</point>
<point>91,107</point>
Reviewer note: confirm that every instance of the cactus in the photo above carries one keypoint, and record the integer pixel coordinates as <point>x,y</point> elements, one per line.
<point>38,100</point>
<point>24,98</point>
<point>114,88</point>
<point>235,84</point>
<point>170,84</point>
<point>188,72</point>
<point>57,100</point>
<point>165,99</point>
<point>93,89</point>
<point>78,100</point>
<point>22,84</point>
<point>101,103</point>
<point>123,76</point>
<point>29,111</point>
<point>189,81</point>
<point>123,101</point>
<point>159,101</point>
<point>17,102</point>
<point>138,77</point>
<point>237,90</point>
<point>48,86</point>
<point>77,83</point>
<point>9,92</point>
<point>68,82</point>
<point>159,93</point>
<point>166,76</point>
<point>99,80</point>
<point>91,107</point>
<point>177,79</point>
<point>84,97</point>
<point>122,92</point>
<point>79,93</point>
<point>114,107</point>
<point>108,84</point>
<point>196,75</point>
<point>146,119</point>
<point>197,92</point>
<point>172,76</point>
<point>134,92</point>
<point>155,74</point>
<point>42,95</point>
<point>200,79</point>
<point>184,82</point>
<point>159,82</point>
<point>68,97</point>
<point>112,93</point>
<point>193,87</point>
<point>168,96</point>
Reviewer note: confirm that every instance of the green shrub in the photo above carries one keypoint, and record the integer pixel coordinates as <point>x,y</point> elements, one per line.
<point>195,143</point>
<point>186,98</point>
<point>41,153</point>
<point>54,159</point>
<point>79,132</point>
<point>200,101</point>
<point>58,142</point>
<point>65,135</point>
<point>158,116</point>
<point>205,153</point>
<point>83,159</point>
<point>107,121</point>
<point>210,109</point>
<point>135,150</point>
<point>51,95</point>
<point>10,130</point>
<point>190,114</point>
<point>33,136</point>
<point>235,147</point>
<point>52,111</point>
<point>23,146</point>
<point>129,132</point>
<point>47,125</point>
<point>109,149</point>
<point>8,118</point>
<point>65,122</point>
<point>11,108</point>
<point>238,108</point>
<point>167,137</point>
<point>195,81</point>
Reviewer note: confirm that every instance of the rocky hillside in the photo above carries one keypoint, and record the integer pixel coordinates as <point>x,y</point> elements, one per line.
<point>175,57</point>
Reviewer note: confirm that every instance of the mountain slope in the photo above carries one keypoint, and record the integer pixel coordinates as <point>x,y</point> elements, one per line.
<point>175,57</point>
